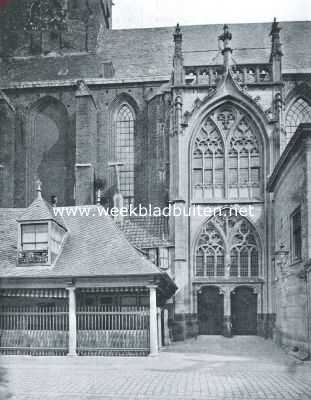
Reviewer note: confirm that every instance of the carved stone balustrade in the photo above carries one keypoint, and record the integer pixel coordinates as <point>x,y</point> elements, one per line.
<point>244,74</point>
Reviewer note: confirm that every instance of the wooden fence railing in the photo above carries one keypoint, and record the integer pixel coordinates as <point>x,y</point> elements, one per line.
<point>31,318</point>
<point>113,330</point>
<point>102,330</point>
<point>29,330</point>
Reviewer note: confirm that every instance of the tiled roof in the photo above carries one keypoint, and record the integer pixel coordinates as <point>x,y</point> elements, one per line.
<point>147,232</point>
<point>93,247</point>
<point>41,210</point>
<point>147,53</point>
<point>151,50</point>
<point>8,236</point>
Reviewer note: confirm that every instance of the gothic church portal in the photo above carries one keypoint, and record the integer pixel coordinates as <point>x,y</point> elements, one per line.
<point>194,116</point>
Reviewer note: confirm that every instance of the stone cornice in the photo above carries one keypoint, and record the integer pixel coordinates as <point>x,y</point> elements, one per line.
<point>89,82</point>
<point>304,131</point>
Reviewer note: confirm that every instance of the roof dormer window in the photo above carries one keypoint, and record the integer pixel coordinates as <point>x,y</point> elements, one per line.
<point>41,234</point>
<point>34,244</point>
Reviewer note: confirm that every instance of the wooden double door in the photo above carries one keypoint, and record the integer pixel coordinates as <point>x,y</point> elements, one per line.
<point>243,311</point>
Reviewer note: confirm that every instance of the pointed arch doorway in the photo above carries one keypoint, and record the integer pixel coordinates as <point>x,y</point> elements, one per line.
<point>210,311</point>
<point>244,311</point>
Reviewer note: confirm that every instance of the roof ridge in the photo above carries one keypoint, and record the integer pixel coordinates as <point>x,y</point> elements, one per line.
<point>165,27</point>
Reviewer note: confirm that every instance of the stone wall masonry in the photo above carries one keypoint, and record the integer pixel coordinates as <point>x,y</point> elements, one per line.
<point>7,154</point>
<point>60,105</point>
<point>290,294</point>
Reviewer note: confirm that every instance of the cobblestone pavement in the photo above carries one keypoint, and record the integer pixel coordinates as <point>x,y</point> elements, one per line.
<point>206,369</point>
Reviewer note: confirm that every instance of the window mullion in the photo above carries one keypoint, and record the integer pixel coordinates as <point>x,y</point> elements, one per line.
<point>226,173</point>
<point>215,264</point>
<point>249,176</point>
<point>203,174</point>
<point>213,173</point>
<point>238,173</point>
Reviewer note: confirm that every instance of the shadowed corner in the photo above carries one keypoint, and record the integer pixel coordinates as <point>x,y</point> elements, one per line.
<point>4,3</point>
<point>4,391</point>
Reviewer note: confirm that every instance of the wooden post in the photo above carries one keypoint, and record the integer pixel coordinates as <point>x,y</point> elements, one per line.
<point>154,350</point>
<point>159,315</point>
<point>72,321</point>
<point>167,340</point>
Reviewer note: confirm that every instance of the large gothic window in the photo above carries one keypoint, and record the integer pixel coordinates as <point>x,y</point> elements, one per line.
<point>226,157</point>
<point>243,251</point>
<point>227,246</point>
<point>299,112</point>
<point>210,253</point>
<point>124,149</point>
<point>244,162</point>
<point>208,161</point>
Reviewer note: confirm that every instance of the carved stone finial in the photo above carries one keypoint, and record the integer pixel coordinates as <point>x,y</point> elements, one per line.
<point>177,33</point>
<point>178,41</point>
<point>226,49</point>
<point>226,37</point>
<point>276,49</point>
<point>275,27</point>
<point>39,189</point>
<point>178,61</point>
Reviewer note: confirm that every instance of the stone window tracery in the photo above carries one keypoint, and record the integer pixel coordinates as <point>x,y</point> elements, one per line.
<point>125,150</point>
<point>244,162</point>
<point>210,253</point>
<point>226,158</point>
<point>244,251</point>
<point>227,246</point>
<point>208,160</point>
<point>299,112</point>
<point>47,15</point>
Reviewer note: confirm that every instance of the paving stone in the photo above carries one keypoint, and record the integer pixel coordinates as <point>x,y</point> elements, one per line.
<point>253,369</point>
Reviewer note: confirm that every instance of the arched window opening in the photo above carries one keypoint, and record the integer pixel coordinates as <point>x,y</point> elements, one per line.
<point>210,253</point>
<point>244,250</point>
<point>227,157</point>
<point>208,162</point>
<point>231,238</point>
<point>244,161</point>
<point>51,154</point>
<point>125,150</point>
<point>298,113</point>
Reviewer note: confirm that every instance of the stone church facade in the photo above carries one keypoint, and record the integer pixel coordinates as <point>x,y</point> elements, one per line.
<point>196,116</point>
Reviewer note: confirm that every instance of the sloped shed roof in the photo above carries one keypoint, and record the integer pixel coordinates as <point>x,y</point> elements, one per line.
<point>94,247</point>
